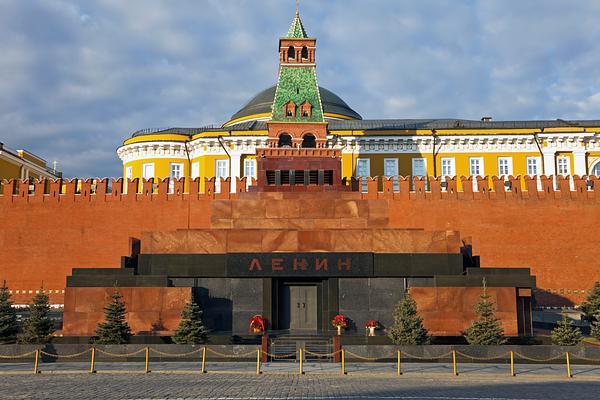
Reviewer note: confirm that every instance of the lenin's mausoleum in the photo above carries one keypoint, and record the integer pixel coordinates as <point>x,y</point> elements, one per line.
<point>297,209</point>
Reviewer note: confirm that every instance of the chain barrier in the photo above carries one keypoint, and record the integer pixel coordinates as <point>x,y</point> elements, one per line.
<point>253,352</point>
<point>120,355</point>
<point>279,356</point>
<point>405,354</point>
<point>322,354</point>
<point>539,360</point>
<point>161,353</point>
<point>19,356</point>
<point>65,355</point>
<point>584,358</point>
<point>369,358</point>
<point>501,356</point>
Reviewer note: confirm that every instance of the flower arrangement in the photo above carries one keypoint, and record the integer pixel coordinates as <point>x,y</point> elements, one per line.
<point>257,324</point>
<point>372,323</point>
<point>339,321</point>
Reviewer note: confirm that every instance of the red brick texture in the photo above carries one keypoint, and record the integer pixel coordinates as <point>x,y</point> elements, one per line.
<point>42,237</point>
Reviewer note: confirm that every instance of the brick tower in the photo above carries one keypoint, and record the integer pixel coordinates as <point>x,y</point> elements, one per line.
<point>297,157</point>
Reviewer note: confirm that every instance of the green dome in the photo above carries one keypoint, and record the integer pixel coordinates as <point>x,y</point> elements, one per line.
<point>263,101</point>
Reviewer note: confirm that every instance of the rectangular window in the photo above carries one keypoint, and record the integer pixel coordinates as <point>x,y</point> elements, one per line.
<point>195,170</point>
<point>505,166</point>
<point>533,166</point>
<point>419,167</point>
<point>363,170</point>
<point>148,171</point>
<point>448,166</point>
<point>221,171</point>
<point>563,165</point>
<point>476,166</point>
<point>250,168</point>
<point>175,172</point>
<point>129,172</point>
<point>390,169</point>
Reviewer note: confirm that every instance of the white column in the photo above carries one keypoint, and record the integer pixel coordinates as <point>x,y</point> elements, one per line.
<point>579,162</point>
<point>235,169</point>
<point>549,163</point>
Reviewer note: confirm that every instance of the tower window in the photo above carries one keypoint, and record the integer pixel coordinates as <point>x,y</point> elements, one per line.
<point>285,140</point>
<point>305,53</point>
<point>306,109</point>
<point>291,53</point>
<point>309,141</point>
<point>290,109</point>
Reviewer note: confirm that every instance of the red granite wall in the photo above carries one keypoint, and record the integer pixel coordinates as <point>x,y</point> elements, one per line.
<point>149,310</point>
<point>450,310</point>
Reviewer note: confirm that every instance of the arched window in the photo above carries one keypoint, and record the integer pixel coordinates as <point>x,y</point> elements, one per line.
<point>309,141</point>
<point>291,53</point>
<point>285,140</point>
<point>596,169</point>
<point>305,53</point>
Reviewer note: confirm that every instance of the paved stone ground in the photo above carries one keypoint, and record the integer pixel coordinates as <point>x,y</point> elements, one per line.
<point>237,381</point>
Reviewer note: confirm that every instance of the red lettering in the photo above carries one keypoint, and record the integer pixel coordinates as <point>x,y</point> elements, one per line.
<point>276,264</point>
<point>321,264</point>
<point>347,264</point>
<point>255,264</point>
<point>299,265</point>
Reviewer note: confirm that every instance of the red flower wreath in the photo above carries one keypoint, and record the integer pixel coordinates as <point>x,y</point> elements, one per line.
<point>339,320</point>
<point>372,323</point>
<point>258,322</point>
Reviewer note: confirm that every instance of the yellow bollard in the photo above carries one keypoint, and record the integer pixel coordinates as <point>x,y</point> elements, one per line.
<point>568,365</point>
<point>399,371</point>
<point>257,362</point>
<point>512,364</point>
<point>454,363</point>
<point>36,362</point>
<point>301,365</point>
<point>343,362</point>
<point>93,362</point>
<point>147,359</point>
<point>204,360</point>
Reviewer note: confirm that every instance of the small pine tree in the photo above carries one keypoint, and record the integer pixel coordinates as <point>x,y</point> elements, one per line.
<point>408,327</point>
<point>115,329</point>
<point>38,327</point>
<point>8,317</point>
<point>191,329</point>
<point>565,334</point>
<point>591,306</point>
<point>487,330</point>
<point>595,327</point>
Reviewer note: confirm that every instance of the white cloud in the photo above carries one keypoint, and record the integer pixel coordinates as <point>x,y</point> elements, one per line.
<point>79,77</point>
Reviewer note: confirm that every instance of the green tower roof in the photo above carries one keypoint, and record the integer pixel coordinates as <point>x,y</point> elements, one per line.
<point>297,29</point>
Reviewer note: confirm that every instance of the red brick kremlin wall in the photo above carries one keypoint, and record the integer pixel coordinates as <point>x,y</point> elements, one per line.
<point>43,236</point>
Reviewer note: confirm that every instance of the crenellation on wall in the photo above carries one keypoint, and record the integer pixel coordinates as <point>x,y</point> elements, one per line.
<point>549,188</point>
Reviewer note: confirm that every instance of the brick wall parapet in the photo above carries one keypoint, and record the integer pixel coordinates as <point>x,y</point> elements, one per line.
<point>573,188</point>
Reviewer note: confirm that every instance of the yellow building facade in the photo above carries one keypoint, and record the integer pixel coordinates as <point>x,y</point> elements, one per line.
<point>21,164</point>
<point>392,147</point>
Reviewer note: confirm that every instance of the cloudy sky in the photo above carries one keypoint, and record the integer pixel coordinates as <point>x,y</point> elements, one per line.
<point>78,77</point>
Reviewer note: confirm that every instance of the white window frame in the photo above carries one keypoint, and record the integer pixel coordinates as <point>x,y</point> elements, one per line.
<point>145,173</point>
<point>505,163</point>
<point>563,165</point>
<point>195,170</point>
<point>391,173</point>
<point>129,172</point>
<point>224,163</point>
<point>415,161</point>
<point>595,167</point>
<point>172,176</point>
<point>250,166</point>
<point>451,166</point>
<point>480,166</point>
<point>533,166</point>
<point>366,174</point>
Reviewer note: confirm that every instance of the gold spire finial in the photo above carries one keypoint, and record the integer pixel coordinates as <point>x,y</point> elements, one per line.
<point>297,7</point>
